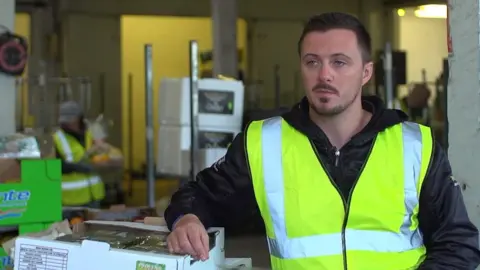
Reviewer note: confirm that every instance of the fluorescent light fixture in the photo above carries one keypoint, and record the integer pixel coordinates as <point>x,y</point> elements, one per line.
<point>432,11</point>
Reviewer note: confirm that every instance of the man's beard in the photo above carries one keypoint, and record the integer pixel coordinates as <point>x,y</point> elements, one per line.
<point>335,110</point>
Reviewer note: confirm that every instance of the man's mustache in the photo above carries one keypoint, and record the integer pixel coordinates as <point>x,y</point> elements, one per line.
<point>324,86</point>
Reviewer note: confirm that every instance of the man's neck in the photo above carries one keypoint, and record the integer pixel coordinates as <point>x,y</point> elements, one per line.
<point>342,127</point>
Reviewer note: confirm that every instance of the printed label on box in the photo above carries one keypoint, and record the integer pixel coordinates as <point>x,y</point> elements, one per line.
<point>149,266</point>
<point>37,257</point>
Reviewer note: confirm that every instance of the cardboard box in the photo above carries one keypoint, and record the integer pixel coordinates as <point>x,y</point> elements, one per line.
<point>121,213</point>
<point>24,203</point>
<point>15,147</point>
<point>6,233</point>
<point>9,170</point>
<point>30,253</point>
<point>5,261</point>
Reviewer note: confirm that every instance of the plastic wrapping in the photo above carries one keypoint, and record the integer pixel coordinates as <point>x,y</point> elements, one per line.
<point>116,239</point>
<point>116,236</point>
<point>123,237</point>
<point>153,243</point>
<point>19,146</point>
<point>98,127</point>
<point>32,144</point>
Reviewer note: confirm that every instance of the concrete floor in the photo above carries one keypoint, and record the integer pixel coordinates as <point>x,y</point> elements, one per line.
<point>254,247</point>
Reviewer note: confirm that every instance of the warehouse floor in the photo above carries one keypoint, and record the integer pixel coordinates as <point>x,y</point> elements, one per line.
<point>254,247</point>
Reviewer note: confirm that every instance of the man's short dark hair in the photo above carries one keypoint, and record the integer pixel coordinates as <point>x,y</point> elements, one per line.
<point>337,20</point>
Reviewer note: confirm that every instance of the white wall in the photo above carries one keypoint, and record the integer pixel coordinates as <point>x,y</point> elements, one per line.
<point>425,41</point>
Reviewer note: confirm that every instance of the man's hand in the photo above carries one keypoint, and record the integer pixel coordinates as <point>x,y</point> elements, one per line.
<point>189,237</point>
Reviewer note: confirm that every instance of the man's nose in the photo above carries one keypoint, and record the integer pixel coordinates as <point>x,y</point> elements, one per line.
<point>325,73</point>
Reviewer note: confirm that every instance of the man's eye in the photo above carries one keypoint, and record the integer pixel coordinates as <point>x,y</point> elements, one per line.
<point>339,63</point>
<point>312,63</point>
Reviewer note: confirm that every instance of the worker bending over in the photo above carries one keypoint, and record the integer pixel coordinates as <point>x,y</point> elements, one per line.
<point>80,185</point>
<point>340,181</point>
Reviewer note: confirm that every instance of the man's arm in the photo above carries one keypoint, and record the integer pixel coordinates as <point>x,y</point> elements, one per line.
<point>222,195</point>
<point>450,237</point>
<point>68,167</point>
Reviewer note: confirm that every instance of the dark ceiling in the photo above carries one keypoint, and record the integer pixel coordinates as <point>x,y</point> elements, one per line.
<point>388,3</point>
<point>405,3</point>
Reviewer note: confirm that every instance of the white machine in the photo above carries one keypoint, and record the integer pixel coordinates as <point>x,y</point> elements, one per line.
<point>220,102</point>
<point>219,120</point>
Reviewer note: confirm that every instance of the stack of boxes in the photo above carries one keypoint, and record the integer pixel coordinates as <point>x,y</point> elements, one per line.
<point>220,106</point>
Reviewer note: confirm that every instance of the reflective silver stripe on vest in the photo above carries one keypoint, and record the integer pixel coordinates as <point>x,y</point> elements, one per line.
<point>67,151</point>
<point>331,244</point>
<point>81,183</point>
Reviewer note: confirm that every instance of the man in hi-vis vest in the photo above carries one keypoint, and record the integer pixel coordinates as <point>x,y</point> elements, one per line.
<point>341,182</point>
<point>80,185</point>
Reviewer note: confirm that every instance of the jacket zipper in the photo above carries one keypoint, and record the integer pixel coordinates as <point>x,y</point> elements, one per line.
<point>346,202</point>
<point>346,205</point>
<point>337,157</point>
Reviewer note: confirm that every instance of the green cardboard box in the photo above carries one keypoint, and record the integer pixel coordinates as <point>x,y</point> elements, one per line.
<point>5,260</point>
<point>35,202</point>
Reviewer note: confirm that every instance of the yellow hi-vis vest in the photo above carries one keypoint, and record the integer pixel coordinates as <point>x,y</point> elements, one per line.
<point>310,226</point>
<point>77,188</point>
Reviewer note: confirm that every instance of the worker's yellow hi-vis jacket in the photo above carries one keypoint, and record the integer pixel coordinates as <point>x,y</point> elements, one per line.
<point>77,188</point>
<point>311,227</point>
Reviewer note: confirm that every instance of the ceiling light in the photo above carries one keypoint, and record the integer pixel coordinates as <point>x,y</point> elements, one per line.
<point>401,12</point>
<point>432,11</point>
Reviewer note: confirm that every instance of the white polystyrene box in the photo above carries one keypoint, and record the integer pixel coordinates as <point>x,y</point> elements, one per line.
<point>220,102</point>
<point>173,153</point>
<point>32,253</point>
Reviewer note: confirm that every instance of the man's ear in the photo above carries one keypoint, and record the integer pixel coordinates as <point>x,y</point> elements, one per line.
<point>367,72</point>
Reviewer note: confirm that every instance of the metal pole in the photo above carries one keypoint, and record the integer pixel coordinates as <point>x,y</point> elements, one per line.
<point>388,69</point>
<point>150,159</point>
<point>424,76</point>
<point>193,108</point>
<point>130,132</point>
<point>88,95</point>
<point>425,111</point>
<point>446,76</point>
<point>102,89</point>
<point>19,117</point>
<point>40,116</point>
<point>276,81</point>
<point>82,87</point>
<point>298,92</point>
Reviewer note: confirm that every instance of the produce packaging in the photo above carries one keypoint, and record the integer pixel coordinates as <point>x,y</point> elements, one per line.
<point>14,147</point>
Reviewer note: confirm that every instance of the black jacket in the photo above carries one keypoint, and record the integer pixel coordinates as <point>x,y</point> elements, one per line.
<point>223,194</point>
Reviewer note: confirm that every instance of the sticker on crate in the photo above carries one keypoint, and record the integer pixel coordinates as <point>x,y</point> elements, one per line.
<point>13,203</point>
<point>149,266</point>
